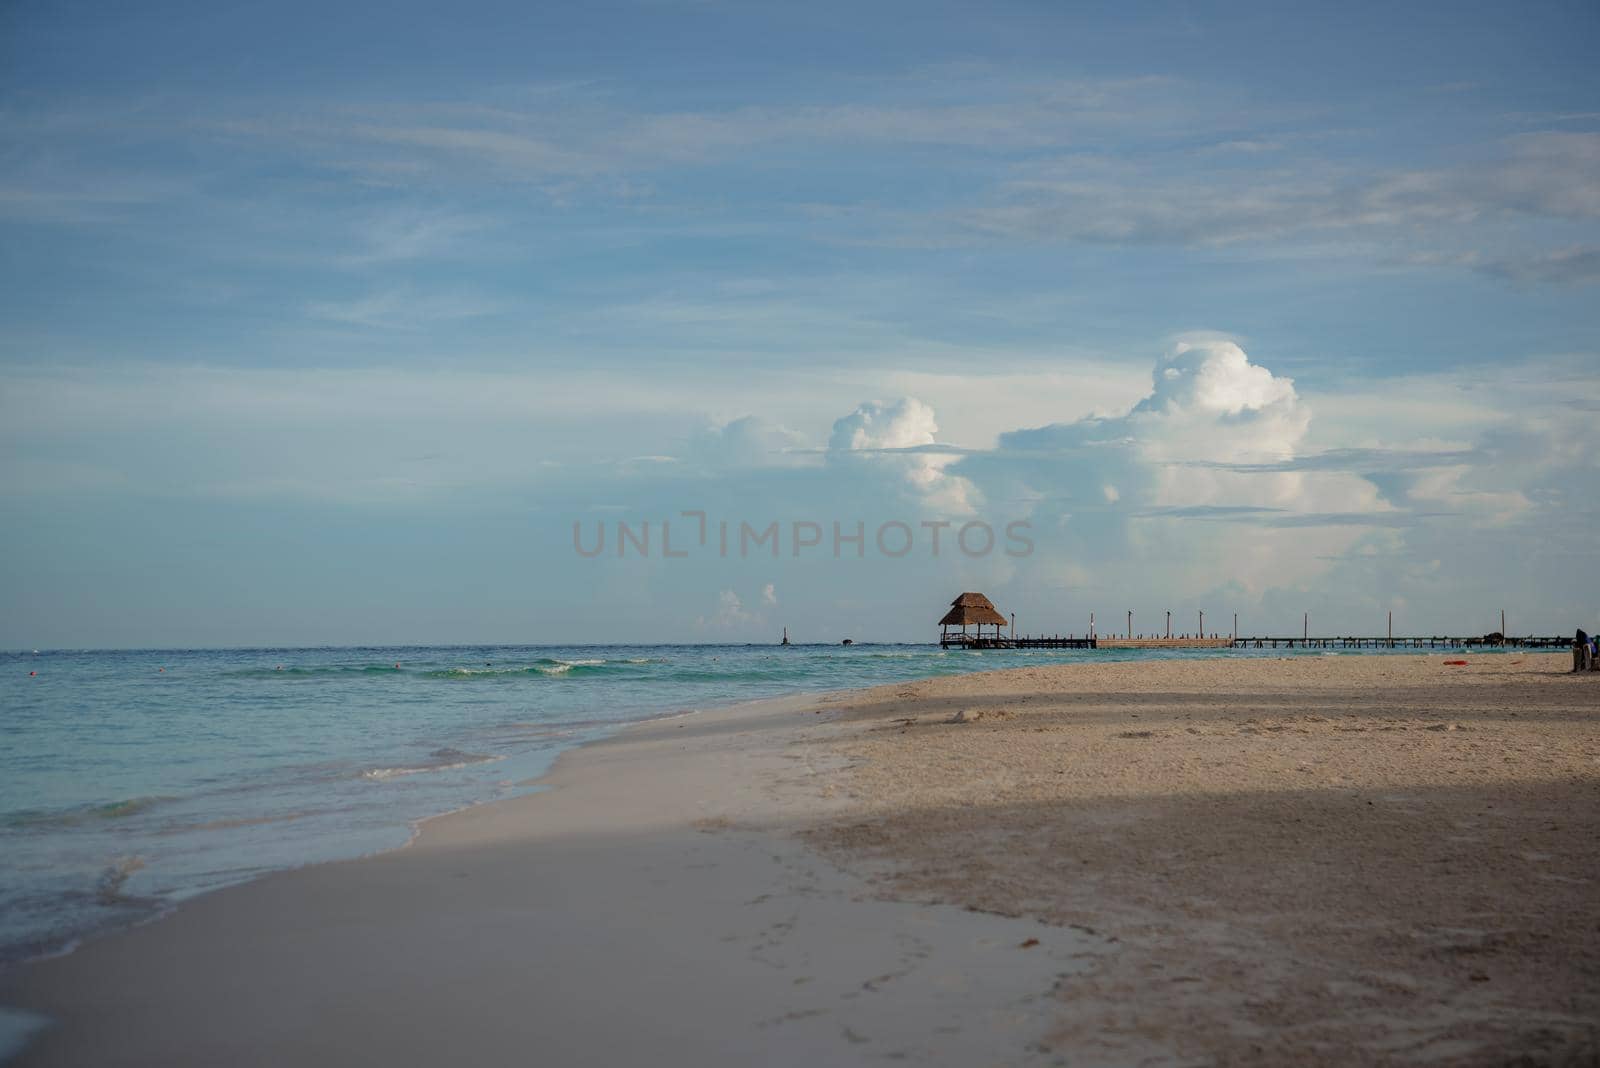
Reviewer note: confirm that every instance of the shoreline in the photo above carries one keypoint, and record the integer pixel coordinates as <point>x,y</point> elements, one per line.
<point>158,906</point>
<point>414,827</point>
<point>793,879</point>
<point>702,834</point>
<point>115,905</point>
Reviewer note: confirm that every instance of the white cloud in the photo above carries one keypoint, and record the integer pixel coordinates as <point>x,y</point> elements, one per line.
<point>1207,401</point>
<point>748,442</point>
<point>1215,478</point>
<point>1098,480</point>
<point>731,618</point>
<point>879,434</point>
<point>902,424</point>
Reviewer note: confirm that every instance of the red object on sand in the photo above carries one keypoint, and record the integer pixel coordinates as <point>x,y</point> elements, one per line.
<point>1454,663</point>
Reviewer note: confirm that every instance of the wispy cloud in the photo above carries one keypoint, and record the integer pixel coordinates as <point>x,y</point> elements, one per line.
<point>1117,161</point>
<point>590,133</point>
<point>1568,266</point>
<point>1285,519</point>
<point>1111,200</point>
<point>1352,460</point>
<point>402,309</point>
<point>400,235</point>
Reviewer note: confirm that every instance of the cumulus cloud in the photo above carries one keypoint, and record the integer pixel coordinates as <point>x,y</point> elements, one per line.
<point>1215,376</point>
<point>875,425</point>
<point>1207,488</point>
<point>750,442</point>
<point>1122,489</point>
<point>1232,406</point>
<point>1207,402</point>
<point>730,614</point>
<point>900,438</point>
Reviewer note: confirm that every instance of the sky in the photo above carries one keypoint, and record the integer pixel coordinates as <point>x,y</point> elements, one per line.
<point>364,323</point>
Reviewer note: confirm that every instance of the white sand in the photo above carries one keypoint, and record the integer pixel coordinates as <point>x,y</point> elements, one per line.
<point>1319,860</point>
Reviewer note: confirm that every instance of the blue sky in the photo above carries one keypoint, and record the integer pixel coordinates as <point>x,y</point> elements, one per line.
<point>326,323</point>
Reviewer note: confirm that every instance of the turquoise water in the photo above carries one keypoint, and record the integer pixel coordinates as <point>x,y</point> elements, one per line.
<point>130,780</point>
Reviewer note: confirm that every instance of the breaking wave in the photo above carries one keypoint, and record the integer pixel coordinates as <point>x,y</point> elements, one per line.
<point>545,667</point>
<point>444,760</point>
<point>109,886</point>
<point>322,671</point>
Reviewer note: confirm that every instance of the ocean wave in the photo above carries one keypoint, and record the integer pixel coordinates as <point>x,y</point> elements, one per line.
<point>109,886</point>
<point>546,667</point>
<point>79,815</point>
<point>444,760</point>
<point>472,673</point>
<point>390,669</point>
<point>235,823</point>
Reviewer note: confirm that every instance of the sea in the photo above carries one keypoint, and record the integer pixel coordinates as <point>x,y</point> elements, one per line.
<point>131,780</point>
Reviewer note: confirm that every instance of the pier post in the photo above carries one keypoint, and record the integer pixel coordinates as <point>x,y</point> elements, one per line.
<point>1202,633</point>
<point>1130,622</point>
<point>1169,622</point>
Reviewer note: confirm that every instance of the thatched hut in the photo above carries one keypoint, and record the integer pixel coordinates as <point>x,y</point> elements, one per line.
<point>971,609</point>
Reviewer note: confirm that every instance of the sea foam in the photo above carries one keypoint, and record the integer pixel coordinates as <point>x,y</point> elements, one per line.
<point>445,760</point>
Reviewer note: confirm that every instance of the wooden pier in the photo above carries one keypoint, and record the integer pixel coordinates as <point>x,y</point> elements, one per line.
<point>1055,641</point>
<point>1070,641</point>
<point>1104,642</point>
<point>1492,641</point>
<point>976,610</point>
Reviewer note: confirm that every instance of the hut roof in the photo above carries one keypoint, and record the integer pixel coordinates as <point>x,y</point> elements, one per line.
<point>972,608</point>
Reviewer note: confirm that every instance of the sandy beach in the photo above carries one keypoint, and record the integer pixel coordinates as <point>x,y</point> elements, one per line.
<point>1316,860</point>
<point>1312,860</point>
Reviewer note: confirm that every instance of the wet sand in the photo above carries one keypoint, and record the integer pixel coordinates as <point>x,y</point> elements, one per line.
<point>1317,860</point>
